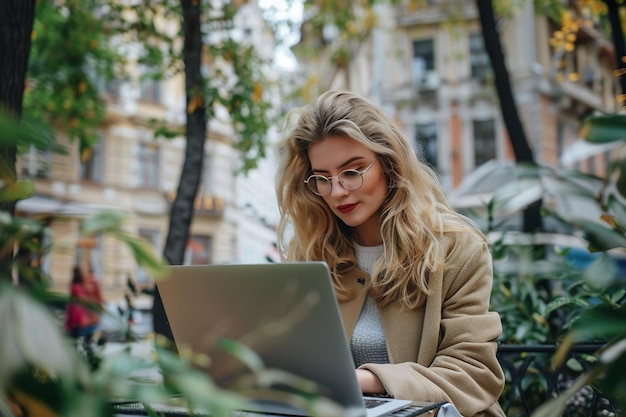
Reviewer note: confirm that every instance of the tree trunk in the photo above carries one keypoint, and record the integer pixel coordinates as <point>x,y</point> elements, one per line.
<point>523,153</point>
<point>183,206</point>
<point>16,25</point>
<point>617,34</point>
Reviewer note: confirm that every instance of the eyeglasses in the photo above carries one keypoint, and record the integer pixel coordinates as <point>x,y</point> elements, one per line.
<point>350,179</point>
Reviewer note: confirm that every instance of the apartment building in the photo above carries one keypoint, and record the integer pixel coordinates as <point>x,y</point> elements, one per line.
<point>427,67</point>
<point>132,172</point>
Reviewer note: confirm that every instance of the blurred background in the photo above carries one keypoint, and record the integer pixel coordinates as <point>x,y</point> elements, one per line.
<point>477,86</point>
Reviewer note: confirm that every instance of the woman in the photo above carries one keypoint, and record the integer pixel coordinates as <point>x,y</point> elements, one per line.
<point>412,277</point>
<point>82,316</point>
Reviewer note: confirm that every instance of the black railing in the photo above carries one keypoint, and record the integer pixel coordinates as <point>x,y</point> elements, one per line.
<point>531,380</point>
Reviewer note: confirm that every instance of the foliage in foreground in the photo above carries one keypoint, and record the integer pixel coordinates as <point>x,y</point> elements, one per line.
<point>564,292</point>
<point>45,373</point>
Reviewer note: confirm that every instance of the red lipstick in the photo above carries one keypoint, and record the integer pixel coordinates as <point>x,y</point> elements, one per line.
<point>346,208</point>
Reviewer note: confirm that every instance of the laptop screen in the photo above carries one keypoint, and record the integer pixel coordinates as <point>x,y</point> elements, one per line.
<point>286,313</point>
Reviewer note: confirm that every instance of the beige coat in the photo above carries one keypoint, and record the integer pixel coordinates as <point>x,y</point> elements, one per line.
<point>445,350</point>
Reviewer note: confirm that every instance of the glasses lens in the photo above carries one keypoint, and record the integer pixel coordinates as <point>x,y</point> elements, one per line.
<point>351,179</point>
<point>319,185</point>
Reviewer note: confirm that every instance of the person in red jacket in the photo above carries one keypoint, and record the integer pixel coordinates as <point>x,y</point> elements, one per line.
<point>83,310</point>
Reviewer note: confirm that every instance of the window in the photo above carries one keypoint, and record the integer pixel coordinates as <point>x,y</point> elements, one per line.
<point>112,88</point>
<point>199,250</point>
<point>108,86</point>
<point>484,141</point>
<point>426,141</point>
<point>36,163</point>
<point>92,166</point>
<point>480,67</point>
<point>153,237</point>
<point>149,86</point>
<point>423,60</point>
<point>148,166</point>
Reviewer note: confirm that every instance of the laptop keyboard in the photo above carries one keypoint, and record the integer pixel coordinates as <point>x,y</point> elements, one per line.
<point>129,409</point>
<point>371,403</point>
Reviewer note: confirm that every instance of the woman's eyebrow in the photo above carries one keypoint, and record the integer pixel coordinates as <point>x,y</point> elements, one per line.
<point>341,166</point>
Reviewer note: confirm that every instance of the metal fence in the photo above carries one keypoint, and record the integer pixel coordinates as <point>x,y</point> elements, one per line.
<point>531,380</point>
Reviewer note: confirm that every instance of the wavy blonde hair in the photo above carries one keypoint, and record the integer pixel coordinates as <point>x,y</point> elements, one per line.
<point>414,216</point>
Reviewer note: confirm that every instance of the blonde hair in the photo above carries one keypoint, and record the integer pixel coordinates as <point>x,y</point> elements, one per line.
<point>414,216</point>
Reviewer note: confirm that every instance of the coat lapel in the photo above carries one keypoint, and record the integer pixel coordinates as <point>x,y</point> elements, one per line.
<point>402,343</point>
<point>357,282</point>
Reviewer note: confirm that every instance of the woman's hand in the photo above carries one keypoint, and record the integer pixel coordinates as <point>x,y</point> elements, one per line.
<point>369,382</point>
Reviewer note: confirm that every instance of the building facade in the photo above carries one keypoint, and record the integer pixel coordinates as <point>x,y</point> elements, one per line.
<point>425,63</point>
<point>132,172</point>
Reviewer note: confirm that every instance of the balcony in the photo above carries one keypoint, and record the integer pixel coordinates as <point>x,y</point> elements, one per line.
<point>206,205</point>
<point>436,11</point>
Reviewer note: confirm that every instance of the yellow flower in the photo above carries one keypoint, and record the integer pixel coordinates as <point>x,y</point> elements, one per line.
<point>573,77</point>
<point>257,92</point>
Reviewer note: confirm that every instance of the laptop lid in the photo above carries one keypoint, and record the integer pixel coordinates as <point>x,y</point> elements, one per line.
<point>285,312</point>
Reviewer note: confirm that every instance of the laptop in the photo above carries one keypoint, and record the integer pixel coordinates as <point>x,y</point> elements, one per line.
<point>284,312</point>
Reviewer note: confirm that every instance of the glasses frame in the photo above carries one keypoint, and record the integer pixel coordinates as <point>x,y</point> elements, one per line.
<point>330,179</point>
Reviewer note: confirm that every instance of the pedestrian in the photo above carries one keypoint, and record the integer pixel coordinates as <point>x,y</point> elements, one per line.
<point>83,309</point>
<point>412,277</point>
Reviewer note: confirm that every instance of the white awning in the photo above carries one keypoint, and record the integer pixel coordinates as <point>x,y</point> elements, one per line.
<point>47,205</point>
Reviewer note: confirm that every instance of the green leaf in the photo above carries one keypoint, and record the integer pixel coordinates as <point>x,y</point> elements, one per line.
<point>517,195</point>
<point>600,237</point>
<point>620,183</point>
<point>617,296</point>
<point>574,365</point>
<point>604,129</point>
<point>618,210</point>
<point>112,222</point>
<point>145,255</point>
<point>563,301</point>
<point>28,131</point>
<point>600,322</point>
<point>105,221</point>
<point>241,352</point>
<point>601,272</point>
<point>18,190</point>
<point>32,337</point>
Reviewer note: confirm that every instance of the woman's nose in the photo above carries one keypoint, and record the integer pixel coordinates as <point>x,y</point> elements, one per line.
<point>338,190</point>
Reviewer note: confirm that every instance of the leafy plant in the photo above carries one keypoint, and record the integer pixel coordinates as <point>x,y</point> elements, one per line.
<point>605,320</point>
<point>43,374</point>
<point>549,286</point>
